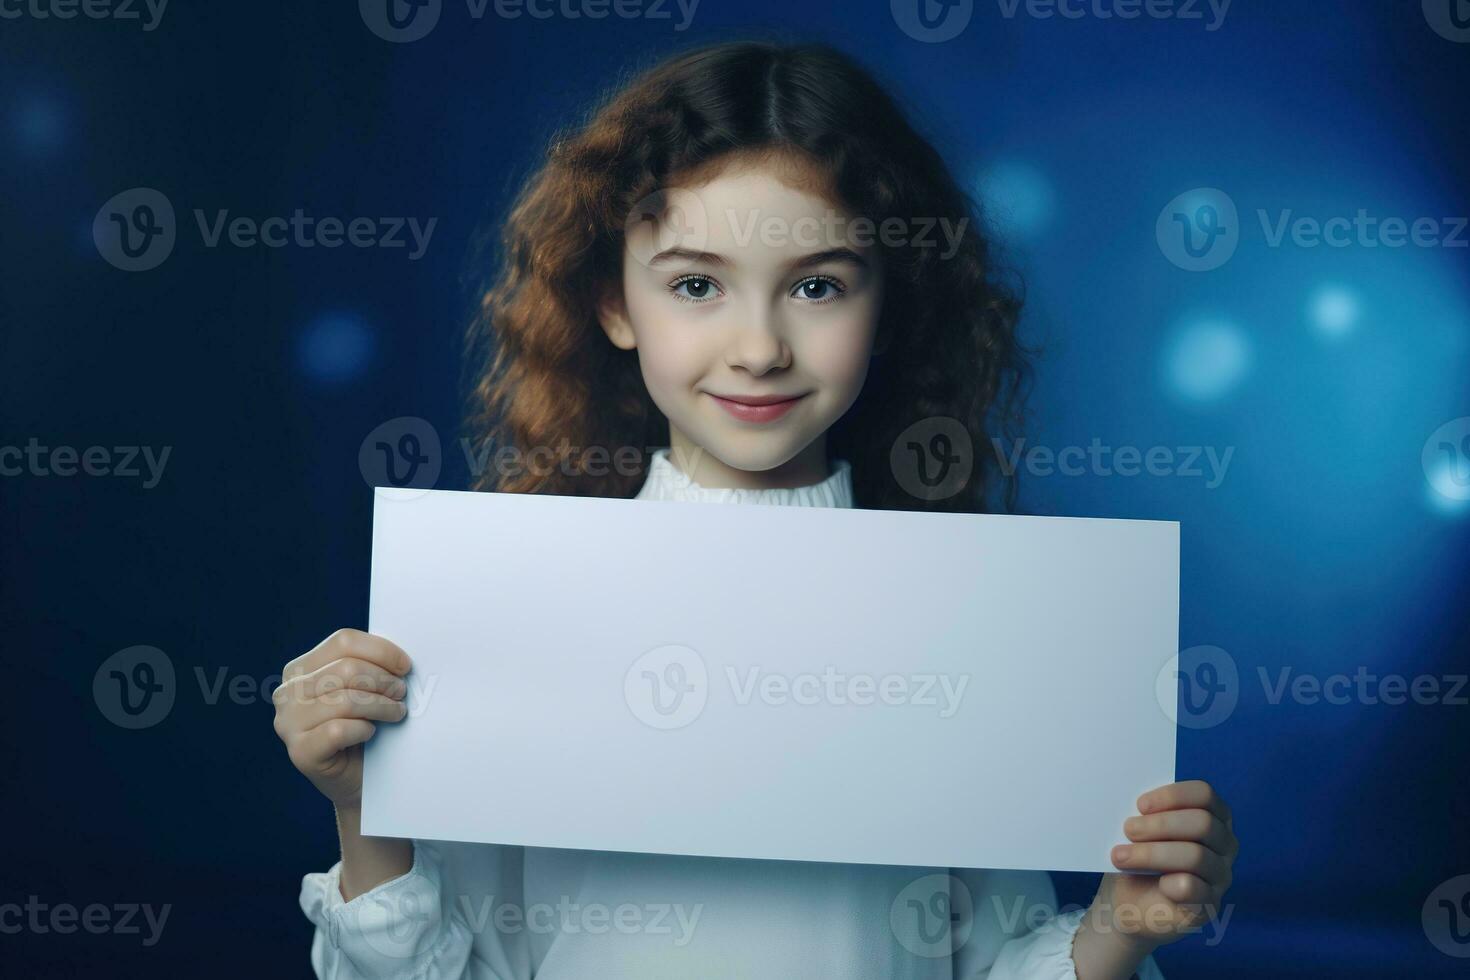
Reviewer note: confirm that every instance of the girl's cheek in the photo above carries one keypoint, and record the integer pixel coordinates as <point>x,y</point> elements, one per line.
<point>839,352</point>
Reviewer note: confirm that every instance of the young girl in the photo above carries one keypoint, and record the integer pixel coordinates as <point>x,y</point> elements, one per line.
<point>749,257</point>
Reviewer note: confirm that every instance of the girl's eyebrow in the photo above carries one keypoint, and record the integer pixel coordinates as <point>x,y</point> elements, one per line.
<point>671,255</point>
<point>840,254</point>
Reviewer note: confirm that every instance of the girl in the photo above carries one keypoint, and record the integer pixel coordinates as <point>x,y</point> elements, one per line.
<point>747,257</point>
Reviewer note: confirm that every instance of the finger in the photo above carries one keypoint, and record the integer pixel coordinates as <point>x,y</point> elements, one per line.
<point>349,674</point>
<point>350,643</point>
<point>1171,856</point>
<point>314,748</point>
<point>1192,793</point>
<point>1186,889</point>
<point>1196,825</point>
<point>371,707</point>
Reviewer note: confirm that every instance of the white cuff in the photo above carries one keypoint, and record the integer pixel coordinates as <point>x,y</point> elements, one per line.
<point>397,929</point>
<point>1046,953</point>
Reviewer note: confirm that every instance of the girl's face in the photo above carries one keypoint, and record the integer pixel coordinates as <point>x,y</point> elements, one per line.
<point>749,290</point>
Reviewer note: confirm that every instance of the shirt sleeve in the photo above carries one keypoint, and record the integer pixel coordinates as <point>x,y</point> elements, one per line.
<point>403,928</point>
<point>1016,932</point>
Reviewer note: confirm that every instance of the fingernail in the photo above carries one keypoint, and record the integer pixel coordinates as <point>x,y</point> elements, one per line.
<point>1120,853</point>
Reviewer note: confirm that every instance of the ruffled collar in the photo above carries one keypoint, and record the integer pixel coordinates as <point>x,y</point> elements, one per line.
<point>666,482</point>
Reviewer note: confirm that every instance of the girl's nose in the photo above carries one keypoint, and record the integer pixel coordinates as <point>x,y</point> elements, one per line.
<point>759,344</point>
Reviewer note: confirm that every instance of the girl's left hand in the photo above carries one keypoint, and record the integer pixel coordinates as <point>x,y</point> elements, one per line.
<point>1184,835</point>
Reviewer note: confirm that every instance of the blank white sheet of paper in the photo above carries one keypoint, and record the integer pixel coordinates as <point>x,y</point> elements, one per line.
<point>754,681</point>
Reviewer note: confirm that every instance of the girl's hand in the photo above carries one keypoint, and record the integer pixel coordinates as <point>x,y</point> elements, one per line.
<point>327,703</point>
<point>1184,832</point>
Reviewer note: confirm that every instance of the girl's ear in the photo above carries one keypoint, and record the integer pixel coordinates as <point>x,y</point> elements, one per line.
<point>612,313</point>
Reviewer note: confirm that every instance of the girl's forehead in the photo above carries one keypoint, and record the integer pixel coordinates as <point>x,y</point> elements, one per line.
<point>775,168</point>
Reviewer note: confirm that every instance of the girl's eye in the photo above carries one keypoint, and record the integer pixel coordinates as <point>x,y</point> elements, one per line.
<point>819,289</point>
<point>694,289</point>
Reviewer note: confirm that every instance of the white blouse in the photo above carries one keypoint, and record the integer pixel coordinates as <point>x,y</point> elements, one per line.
<point>484,911</point>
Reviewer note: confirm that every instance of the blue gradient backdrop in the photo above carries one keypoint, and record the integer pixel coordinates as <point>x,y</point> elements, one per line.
<point>1322,370</point>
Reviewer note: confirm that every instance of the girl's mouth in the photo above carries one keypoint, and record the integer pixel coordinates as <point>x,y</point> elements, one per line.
<point>757,408</point>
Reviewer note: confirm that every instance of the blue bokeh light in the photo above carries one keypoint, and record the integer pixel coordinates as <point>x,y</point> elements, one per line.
<point>38,124</point>
<point>1018,197</point>
<point>1206,359</point>
<point>336,347</point>
<point>1334,310</point>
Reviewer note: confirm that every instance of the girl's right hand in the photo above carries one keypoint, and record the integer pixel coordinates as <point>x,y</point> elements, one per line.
<point>327,703</point>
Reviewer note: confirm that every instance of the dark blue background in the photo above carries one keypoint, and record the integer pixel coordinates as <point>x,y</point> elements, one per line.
<point>1325,548</point>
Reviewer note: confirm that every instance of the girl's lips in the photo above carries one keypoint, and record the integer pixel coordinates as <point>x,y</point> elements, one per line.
<point>757,410</point>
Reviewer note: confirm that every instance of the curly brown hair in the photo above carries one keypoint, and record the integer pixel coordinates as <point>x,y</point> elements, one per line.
<point>545,375</point>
